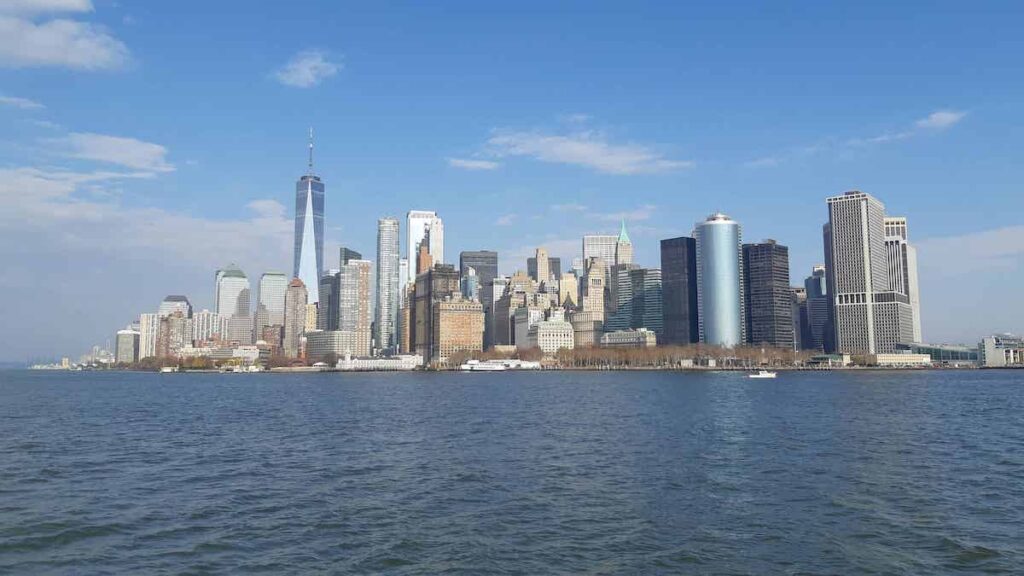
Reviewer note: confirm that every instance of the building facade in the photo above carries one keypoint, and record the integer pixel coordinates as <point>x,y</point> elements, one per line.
<point>420,223</point>
<point>679,291</point>
<point>354,306</point>
<point>818,310</point>
<point>309,230</point>
<point>175,303</point>
<point>720,297</point>
<point>294,318</point>
<point>901,257</point>
<point>126,347</point>
<point>641,338</point>
<point>388,295</point>
<point>457,326</point>
<point>639,299</point>
<point>768,297</point>
<point>149,328</point>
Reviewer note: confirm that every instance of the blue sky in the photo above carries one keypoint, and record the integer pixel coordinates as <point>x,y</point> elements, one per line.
<point>143,144</point>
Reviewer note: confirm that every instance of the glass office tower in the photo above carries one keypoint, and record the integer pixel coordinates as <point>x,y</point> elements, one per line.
<point>719,281</point>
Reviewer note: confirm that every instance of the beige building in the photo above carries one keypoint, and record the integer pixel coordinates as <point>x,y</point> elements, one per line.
<point>295,317</point>
<point>458,326</point>
<point>568,290</point>
<point>587,328</point>
<point>552,335</point>
<point>594,287</point>
<point>355,314</point>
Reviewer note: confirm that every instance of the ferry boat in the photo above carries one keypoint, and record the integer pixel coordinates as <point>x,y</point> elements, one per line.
<point>762,374</point>
<point>478,366</point>
<point>168,369</point>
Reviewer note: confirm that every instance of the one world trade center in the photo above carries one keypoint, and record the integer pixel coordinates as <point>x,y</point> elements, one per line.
<point>309,229</point>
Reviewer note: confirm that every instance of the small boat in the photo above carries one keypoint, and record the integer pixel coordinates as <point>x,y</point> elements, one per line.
<point>762,374</point>
<point>168,369</point>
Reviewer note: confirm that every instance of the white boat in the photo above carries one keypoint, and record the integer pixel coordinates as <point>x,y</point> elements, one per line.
<point>168,369</point>
<point>478,366</point>
<point>762,374</point>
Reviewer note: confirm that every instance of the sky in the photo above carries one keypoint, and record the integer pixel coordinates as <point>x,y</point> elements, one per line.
<point>145,144</point>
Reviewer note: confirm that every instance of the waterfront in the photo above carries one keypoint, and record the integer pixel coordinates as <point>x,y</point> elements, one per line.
<point>522,473</point>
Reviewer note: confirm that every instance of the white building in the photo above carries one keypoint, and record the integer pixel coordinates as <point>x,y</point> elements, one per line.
<point>207,326</point>
<point>233,301</point>
<point>149,329</point>
<point>551,336</point>
<point>525,318</point>
<point>270,303</point>
<point>601,246</point>
<point>902,267</point>
<point>388,283</point>
<point>1001,350</point>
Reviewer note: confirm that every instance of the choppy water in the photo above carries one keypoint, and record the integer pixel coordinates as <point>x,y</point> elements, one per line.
<point>638,472</point>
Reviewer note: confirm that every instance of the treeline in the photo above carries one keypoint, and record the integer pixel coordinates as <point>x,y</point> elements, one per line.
<point>680,356</point>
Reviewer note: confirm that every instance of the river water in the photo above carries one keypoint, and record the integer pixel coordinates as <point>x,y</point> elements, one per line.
<point>512,473</point>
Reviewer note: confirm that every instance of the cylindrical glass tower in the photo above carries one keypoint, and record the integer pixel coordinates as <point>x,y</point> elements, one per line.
<point>719,280</point>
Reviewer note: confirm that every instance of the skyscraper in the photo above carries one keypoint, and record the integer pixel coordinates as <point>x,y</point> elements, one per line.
<point>309,229</point>
<point>208,326</point>
<point>346,254</point>
<point>327,309</point>
<point>418,224</point>
<point>270,307</point>
<point>768,298</point>
<point>869,317</point>
<point>434,285</point>
<point>639,295</point>
<point>388,294</point>
<point>679,290</point>
<point>175,303</point>
<point>354,307</point>
<point>601,246</point>
<point>542,274</point>
<point>623,247</point>
<point>719,281</point>
<point>127,346</point>
<point>149,328</point>
<point>233,301</point>
<point>902,263</point>
<point>816,288</point>
<point>294,317</point>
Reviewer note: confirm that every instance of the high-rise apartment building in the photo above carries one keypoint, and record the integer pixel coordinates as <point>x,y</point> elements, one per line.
<point>388,295</point>
<point>173,334</point>
<point>679,290</point>
<point>869,317</point>
<point>309,229</point>
<point>149,327</point>
<point>208,326</point>
<point>768,298</point>
<point>435,285</point>
<point>420,223</point>
<point>719,281</point>
<point>354,305</point>
<point>294,317</point>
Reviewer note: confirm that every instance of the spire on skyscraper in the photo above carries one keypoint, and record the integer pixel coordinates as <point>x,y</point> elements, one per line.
<point>310,150</point>
<point>623,237</point>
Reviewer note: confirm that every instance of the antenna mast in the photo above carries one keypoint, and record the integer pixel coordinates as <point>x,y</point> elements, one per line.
<point>310,150</point>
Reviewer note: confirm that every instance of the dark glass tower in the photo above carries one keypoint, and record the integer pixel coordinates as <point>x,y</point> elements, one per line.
<point>485,262</point>
<point>768,297</point>
<point>679,290</point>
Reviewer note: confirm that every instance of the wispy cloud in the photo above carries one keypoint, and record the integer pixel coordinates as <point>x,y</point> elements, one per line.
<point>25,41</point>
<point>473,164</point>
<point>589,149</point>
<point>505,220</point>
<point>307,69</point>
<point>23,103</point>
<point>941,119</point>
<point>987,250</point>
<point>128,152</point>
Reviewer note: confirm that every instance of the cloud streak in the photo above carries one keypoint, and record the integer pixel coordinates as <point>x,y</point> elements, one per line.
<point>588,149</point>
<point>127,152</point>
<point>472,164</point>
<point>23,103</point>
<point>307,69</point>
<point>58,43</point>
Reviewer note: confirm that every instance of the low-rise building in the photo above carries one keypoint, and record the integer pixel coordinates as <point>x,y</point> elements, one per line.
<point>1000,351</point>
<point>640,338</point>
<point>397,363</point>
<point>901,360</point>
<point>551,336</point>
<point>322,343</point>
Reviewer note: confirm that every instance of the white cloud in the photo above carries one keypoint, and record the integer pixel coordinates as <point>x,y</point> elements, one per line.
<point>469,164</point>
<point>589,149</point>
<point>987,250</point>
<point>940,119</point>
<point>505,220</point>
<point>127,152</point>
<point>307,69</point>
<point>23,103</point>
<point>58,42</point>
<point>44,6</point>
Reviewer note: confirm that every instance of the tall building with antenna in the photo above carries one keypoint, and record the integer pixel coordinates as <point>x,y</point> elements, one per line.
<point>309,229</point>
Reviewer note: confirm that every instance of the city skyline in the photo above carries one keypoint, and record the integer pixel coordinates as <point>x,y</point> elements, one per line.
<point>148,187</point>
